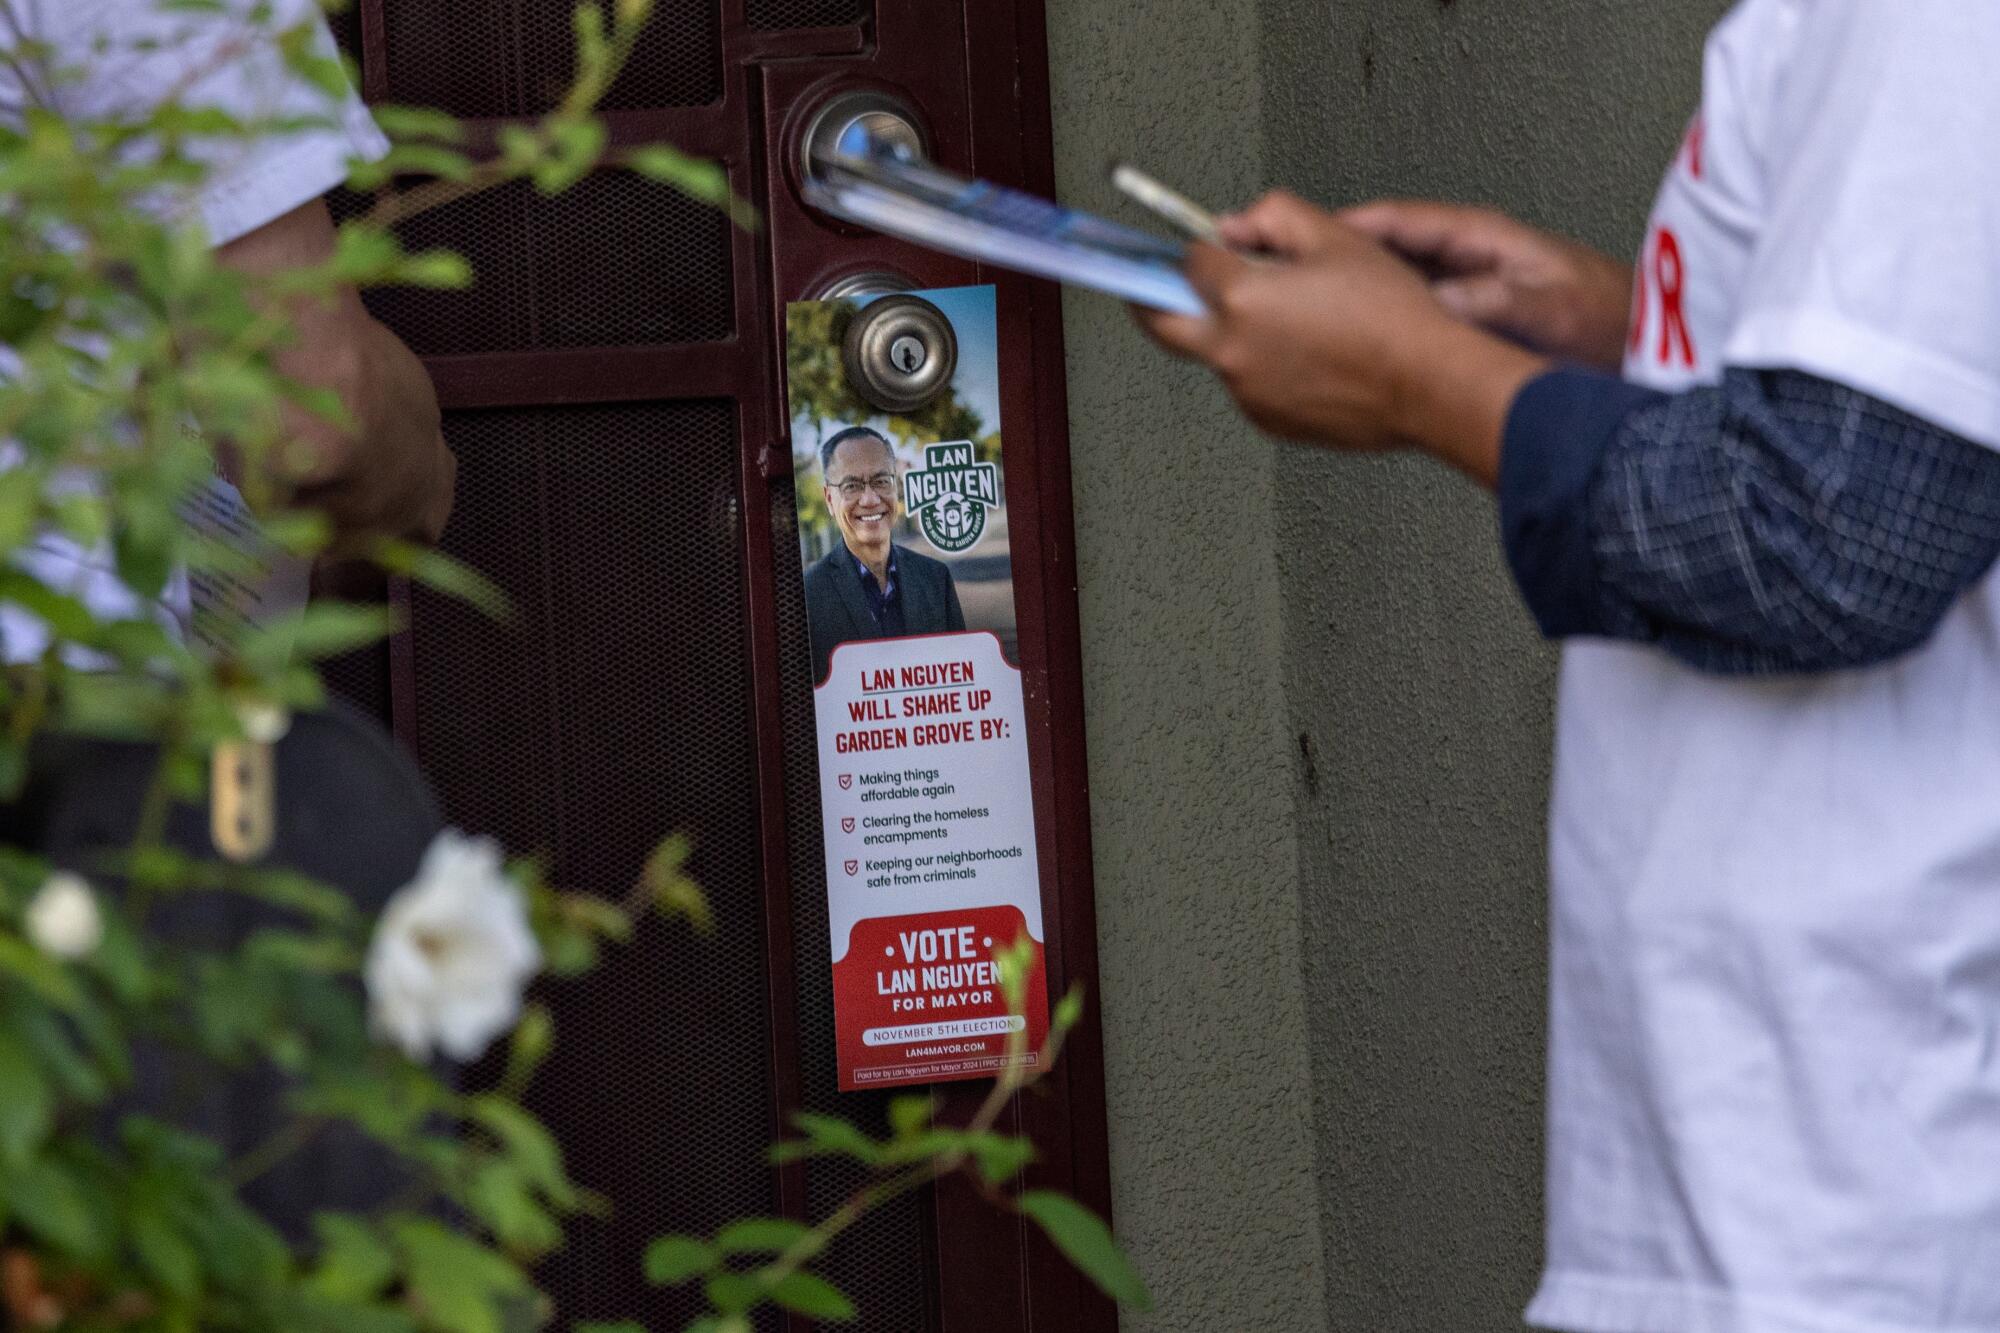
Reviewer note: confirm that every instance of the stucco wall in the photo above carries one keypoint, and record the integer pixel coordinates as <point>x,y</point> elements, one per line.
<point>1419,682</point>
<point>1318,719</point>
<point>1192,814</point>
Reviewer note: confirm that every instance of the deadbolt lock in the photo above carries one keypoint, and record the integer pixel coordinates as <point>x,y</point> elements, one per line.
<point>900,353</point>
<point>860,121</point>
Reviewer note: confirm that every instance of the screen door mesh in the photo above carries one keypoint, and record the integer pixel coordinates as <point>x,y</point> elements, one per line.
<point>614,261</point>
<point>517,57</point>
<point>610,710</point>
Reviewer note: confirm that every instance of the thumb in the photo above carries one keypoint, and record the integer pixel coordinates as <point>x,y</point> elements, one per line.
<point>1210,270</point>
<point>1280,223</point>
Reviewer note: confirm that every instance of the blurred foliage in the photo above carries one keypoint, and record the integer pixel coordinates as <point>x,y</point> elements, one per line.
<point>134,358</point>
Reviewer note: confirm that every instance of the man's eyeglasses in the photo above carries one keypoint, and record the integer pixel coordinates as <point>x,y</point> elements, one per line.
<point>882,483</point>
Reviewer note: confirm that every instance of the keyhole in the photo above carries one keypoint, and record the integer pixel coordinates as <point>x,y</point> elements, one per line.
<point>907,354</point>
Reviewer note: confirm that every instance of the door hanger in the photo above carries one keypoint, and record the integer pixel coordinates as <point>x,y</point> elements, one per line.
<point>926,808</point>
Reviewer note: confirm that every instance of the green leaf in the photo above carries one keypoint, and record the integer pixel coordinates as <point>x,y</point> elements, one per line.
<point>163,1248</point>
<point>39,973</point>
<point>1069,1009</point>
<point>574,146</point>
<point>1015,961</point>
<point>1086,1242</point>
<point>803,1293</point>
<point>534,1036</point>
<point>520,147</point>
<point>831,1136</point>
<point>731,1293</point>
<point>20,317</point>
<point>694,177</point>
<point>47,1200</point>
<point>568,953</point>
<point>284,529</point>
<point>355,1263</point>
<point>530,1146</point>
<point>409,159</point>
<point>910,1114</point>
<point>672,891</point>
<point>498,1195</point>
<point>13,769</point>
<point>239,1247</point>
<point>144,554</point>
<point>27,1104</point>
<point>441,573</point>
<point>20,500</point>
<point>436,269</point>
<point>322,629</point>
<point>325,73</point>
<point>305,531</point>
<point>68,1069</point>
<point>364,254</point>
<point>417,122</point>
<point>66,615</point>
<point>308,1313</point>
<point>596,915</point>
<point>459,1284</point>
<point>760,1235</point>
<point>105,1038</point>
<point>1000,1157</point>
<point>672,1260</point>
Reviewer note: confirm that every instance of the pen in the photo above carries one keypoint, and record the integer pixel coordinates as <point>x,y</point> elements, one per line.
<point>1176,208</point>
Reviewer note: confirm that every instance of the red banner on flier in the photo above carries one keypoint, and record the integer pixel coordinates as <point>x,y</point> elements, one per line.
<point>919,998</point>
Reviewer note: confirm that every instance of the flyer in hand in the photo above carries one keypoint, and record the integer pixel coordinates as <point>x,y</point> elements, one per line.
<point>868,182</point>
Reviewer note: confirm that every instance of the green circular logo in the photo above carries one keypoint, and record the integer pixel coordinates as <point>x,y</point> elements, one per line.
<point>949,496</point>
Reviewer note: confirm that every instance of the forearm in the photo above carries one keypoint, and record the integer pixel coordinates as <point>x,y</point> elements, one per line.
<point>386,471</point>
<point>1774,523</point>
<point>1453,393</point>
<point>391,474</point>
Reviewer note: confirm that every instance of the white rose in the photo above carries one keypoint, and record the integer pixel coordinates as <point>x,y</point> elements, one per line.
<point>451,953</point>
<point>63,919</point>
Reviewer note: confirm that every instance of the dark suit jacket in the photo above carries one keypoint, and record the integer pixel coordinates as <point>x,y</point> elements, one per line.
<point>837,609</point>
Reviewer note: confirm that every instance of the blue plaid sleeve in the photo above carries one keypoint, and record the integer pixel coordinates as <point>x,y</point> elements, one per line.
<point>1777,522</point>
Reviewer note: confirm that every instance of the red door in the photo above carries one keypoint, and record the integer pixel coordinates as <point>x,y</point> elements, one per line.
<point>613,389</point>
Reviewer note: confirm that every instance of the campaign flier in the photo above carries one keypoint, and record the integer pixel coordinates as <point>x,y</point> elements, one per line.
<point>925,798</point>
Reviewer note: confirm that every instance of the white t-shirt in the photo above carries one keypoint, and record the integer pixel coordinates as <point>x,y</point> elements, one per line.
<point>208,60</point>
<point>1774,1072</point>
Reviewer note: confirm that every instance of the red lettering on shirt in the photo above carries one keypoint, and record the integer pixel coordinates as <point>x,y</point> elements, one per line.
<point>1669,273</point>
<point>1697,132</point>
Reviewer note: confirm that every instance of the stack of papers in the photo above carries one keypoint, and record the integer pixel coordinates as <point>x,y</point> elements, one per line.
<point>867,182</point>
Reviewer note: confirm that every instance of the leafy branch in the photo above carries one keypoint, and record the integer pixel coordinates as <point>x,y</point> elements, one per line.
<point>917,1153</point>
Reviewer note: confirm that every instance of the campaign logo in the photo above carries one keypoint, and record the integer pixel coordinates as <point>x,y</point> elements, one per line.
<point>950,495</point>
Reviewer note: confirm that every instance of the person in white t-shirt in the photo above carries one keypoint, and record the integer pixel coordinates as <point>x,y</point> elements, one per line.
<point>1774,1067</point>
<point>261,207</point>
